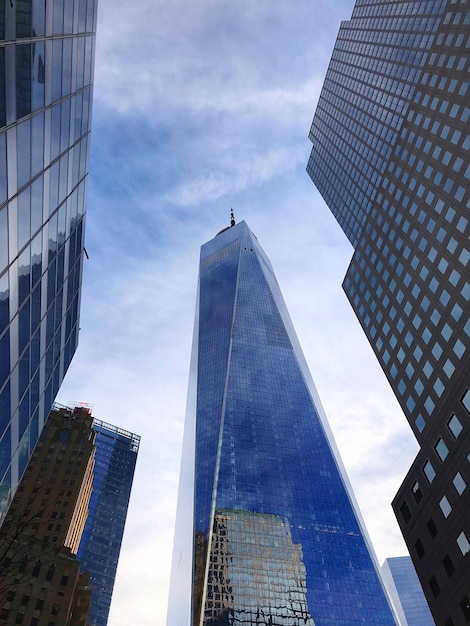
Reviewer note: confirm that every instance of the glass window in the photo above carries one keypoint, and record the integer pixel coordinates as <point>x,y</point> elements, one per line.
<point>417,493</point>
<point>405,512</point>
<point>455,426</point>
<point>429,405</point>
<point>441,449</point>
<point>459,349</point>
<point>463,543</point>
<point>436,590</point>
<point>459,483</point>
<point>449,368</point>
<point>445,506</point>
<point>448,566</point>
<point>23,80</point>
<point>432,528</point>
<point>419,549</point>
<point>466,400</point>
<point>420,423</point>
<point>439,387</point>
<point>429,471</point>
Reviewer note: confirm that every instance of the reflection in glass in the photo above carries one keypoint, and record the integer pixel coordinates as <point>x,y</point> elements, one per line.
<point>2,87</point>
<point>24,217</point>
<point>4,300</point>
<point>23,79</point>
<point>256,573</point>
<point>3,236</point>
<point>23,143</point>
<point>37,143</point>
<point>23,18</point>
<point>38,75</point>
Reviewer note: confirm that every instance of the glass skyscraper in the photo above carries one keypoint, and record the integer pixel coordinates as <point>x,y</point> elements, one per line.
<point>390,157</point>
<point>276,537</point>
<point>115,458</point>
<point>405,592</point>
<point>46,74</point>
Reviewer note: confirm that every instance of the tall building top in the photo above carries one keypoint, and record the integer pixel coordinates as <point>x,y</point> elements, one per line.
<point>276,536</point>
<point>232,223</point>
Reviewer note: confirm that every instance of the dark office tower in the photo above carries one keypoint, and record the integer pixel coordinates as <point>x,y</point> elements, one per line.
<point>46,70</point>
<point>405,592</point>
<point>276,536</point>
<point>390,157</point>
<point>115,458</point>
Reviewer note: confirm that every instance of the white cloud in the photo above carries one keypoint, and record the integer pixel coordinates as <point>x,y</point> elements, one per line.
<point>244,175</point>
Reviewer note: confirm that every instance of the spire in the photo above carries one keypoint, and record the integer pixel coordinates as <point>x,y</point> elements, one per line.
<point>232,223</point>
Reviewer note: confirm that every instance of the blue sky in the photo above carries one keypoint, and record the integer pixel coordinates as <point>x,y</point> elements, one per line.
<point>200,107</point>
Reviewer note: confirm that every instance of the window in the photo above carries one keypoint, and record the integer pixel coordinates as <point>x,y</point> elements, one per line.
<point>50,572</point>
<point>463,543</point>
<point>459,483</point>
<point>419,549</point>
<point>429,471</point>
<point>454,426</point>
<point>417,493</point>
<point>441,449</point>
<point>55,609</point>
<point>37,568</point>
<point>466,400</point>
<point>448,566</point>
<point>445,506</point>
<point>436,590</point>
<point>420,423</point>
<point>405,512</point>
<point>432,528</point>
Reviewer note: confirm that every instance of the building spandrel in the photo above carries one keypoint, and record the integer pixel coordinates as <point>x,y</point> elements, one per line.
<point>277,538</point>
<point>46,75</point>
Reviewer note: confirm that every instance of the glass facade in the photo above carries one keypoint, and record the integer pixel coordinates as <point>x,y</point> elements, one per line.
<point>98,553</point>
<point>46,74</point>
<point>276,535</point>
<point>405,592</point>
<point>389,155</point>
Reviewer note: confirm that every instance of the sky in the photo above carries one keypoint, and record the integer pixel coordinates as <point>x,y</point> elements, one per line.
<point>200,107</point>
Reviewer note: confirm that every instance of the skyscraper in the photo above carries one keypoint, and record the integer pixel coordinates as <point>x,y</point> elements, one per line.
<point>390,157</point>
<point>276,537</point>
<point>115,458</point>
<point>405,592</point>
<point>46,73</point>
<point>40,582</point>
